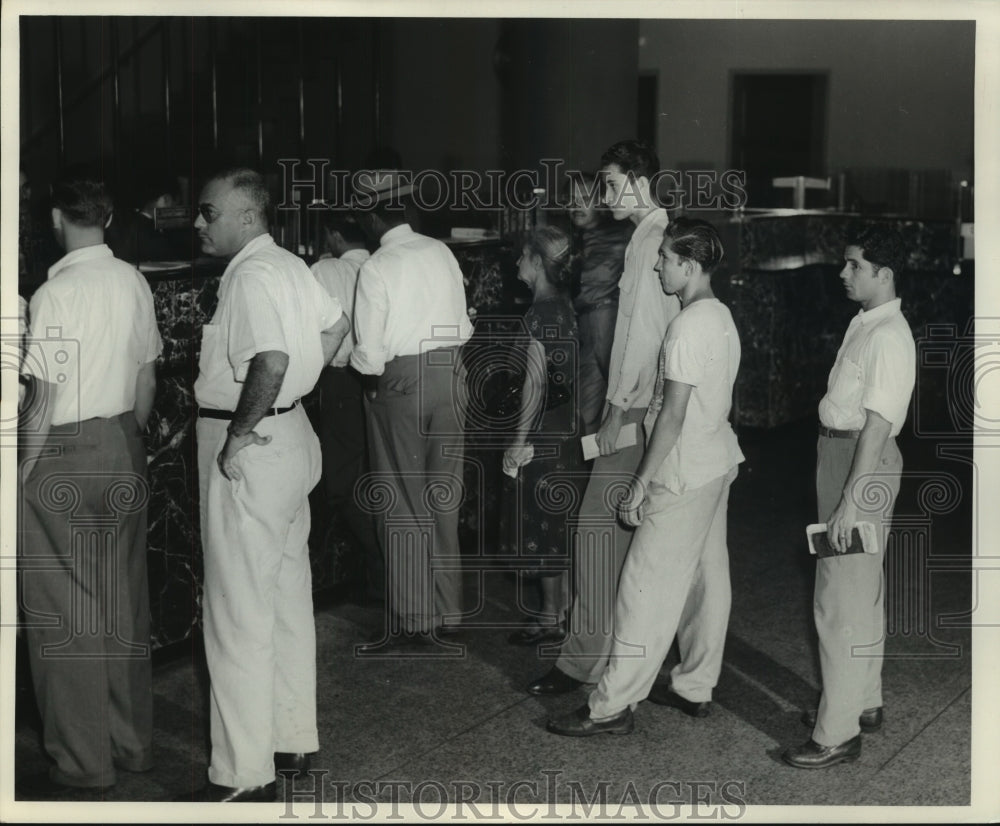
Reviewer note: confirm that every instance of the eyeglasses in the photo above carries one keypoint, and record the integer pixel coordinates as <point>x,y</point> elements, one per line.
<point>208,212</point>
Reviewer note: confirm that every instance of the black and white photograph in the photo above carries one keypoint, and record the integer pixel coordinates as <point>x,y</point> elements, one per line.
<point>429,411</point>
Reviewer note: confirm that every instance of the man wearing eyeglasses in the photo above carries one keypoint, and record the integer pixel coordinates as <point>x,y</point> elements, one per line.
<point>258,458</point>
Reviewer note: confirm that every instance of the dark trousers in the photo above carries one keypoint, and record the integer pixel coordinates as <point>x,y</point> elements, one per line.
<point>344,442</point>
<point>417,451</point>
<point>86,599</point>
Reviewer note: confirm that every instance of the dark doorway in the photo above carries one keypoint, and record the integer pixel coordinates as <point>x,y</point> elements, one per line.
<point>779,129</point>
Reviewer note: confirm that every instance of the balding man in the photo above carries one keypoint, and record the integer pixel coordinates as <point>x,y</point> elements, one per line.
<point>258,458</point>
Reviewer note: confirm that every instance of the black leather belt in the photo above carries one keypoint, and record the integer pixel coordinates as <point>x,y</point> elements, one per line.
<point>211,413</point>
<point>838,434</point>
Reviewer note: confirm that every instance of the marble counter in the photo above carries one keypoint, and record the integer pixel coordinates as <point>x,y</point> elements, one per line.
<point>780,279</point>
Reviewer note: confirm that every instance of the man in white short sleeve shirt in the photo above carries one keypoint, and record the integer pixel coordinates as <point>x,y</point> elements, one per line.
<point>342,429</point>
<point>258,458</point>
<point>90,361</point>
<point>867,397</point>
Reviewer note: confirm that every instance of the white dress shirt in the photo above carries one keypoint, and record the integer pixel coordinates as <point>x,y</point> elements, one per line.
<point>875,370</point>
<point>410,299</point>
<point>268,300</point>
<point>339,277</point>
<point>644,313</point>
<point>92,327</point>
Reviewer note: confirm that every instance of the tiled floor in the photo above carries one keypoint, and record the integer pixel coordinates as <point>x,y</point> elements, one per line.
<point>462,727</point>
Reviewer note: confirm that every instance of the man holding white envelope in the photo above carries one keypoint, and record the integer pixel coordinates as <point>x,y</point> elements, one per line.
<point>857,478</point>
<point>644,313</point>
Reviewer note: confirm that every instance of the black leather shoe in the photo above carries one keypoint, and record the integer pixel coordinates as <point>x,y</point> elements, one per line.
<point>297,762</point>
<point>811,755</point>
<point>870,719</point>
<point>554,682</point>
<point>579,724</point>
<point>213,793</point>
<point>663,695</point>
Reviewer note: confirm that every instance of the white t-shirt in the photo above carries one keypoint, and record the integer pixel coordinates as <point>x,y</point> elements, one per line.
<point>701,348</point>
<point>875,370</point>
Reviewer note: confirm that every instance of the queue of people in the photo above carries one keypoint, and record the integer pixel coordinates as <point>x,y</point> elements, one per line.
<point>624,340</point>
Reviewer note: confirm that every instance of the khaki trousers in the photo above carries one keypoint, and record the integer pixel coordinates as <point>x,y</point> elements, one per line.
<point>599,551</point>
<point>849,599</point>
<point>675,583</point>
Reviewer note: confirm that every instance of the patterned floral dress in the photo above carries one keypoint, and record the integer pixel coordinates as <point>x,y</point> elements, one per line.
<point>540,505</point>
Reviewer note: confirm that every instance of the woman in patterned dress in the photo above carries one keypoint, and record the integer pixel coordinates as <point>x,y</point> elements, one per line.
<point>544,464</point>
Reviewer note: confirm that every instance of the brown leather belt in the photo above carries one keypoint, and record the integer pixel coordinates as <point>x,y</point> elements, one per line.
<point>838,434</point>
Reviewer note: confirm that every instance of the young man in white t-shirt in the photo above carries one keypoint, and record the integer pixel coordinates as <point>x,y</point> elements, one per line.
<point>676,575</point>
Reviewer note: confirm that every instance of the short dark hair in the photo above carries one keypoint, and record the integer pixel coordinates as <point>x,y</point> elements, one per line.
<point>251,184</point>
<point>695,240</point>
<point>552,245</point>
<point>82,197</point>
<point>344,222</point>
<point>635,158</point>
<point>881,244</point>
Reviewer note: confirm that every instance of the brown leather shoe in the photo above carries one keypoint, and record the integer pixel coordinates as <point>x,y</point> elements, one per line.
<point>579,724</point>
<point>214,793</point>
<point>870,719</point>
<point>663,695</point>
<point>554,682</point>
<point>811,755</point>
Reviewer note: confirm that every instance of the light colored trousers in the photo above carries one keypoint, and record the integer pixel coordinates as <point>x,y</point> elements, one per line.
<point>675,583</point>
<point>849,599</point>
<point>599,550</point>
<point>260,636</point>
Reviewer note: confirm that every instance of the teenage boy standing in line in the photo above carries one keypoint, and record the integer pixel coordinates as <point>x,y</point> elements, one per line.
<point>644,311</point>
<point>676,576</point>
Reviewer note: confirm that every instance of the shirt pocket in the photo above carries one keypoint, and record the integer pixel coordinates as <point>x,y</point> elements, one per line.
<point>210,338</point>
<point>847,387</point>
